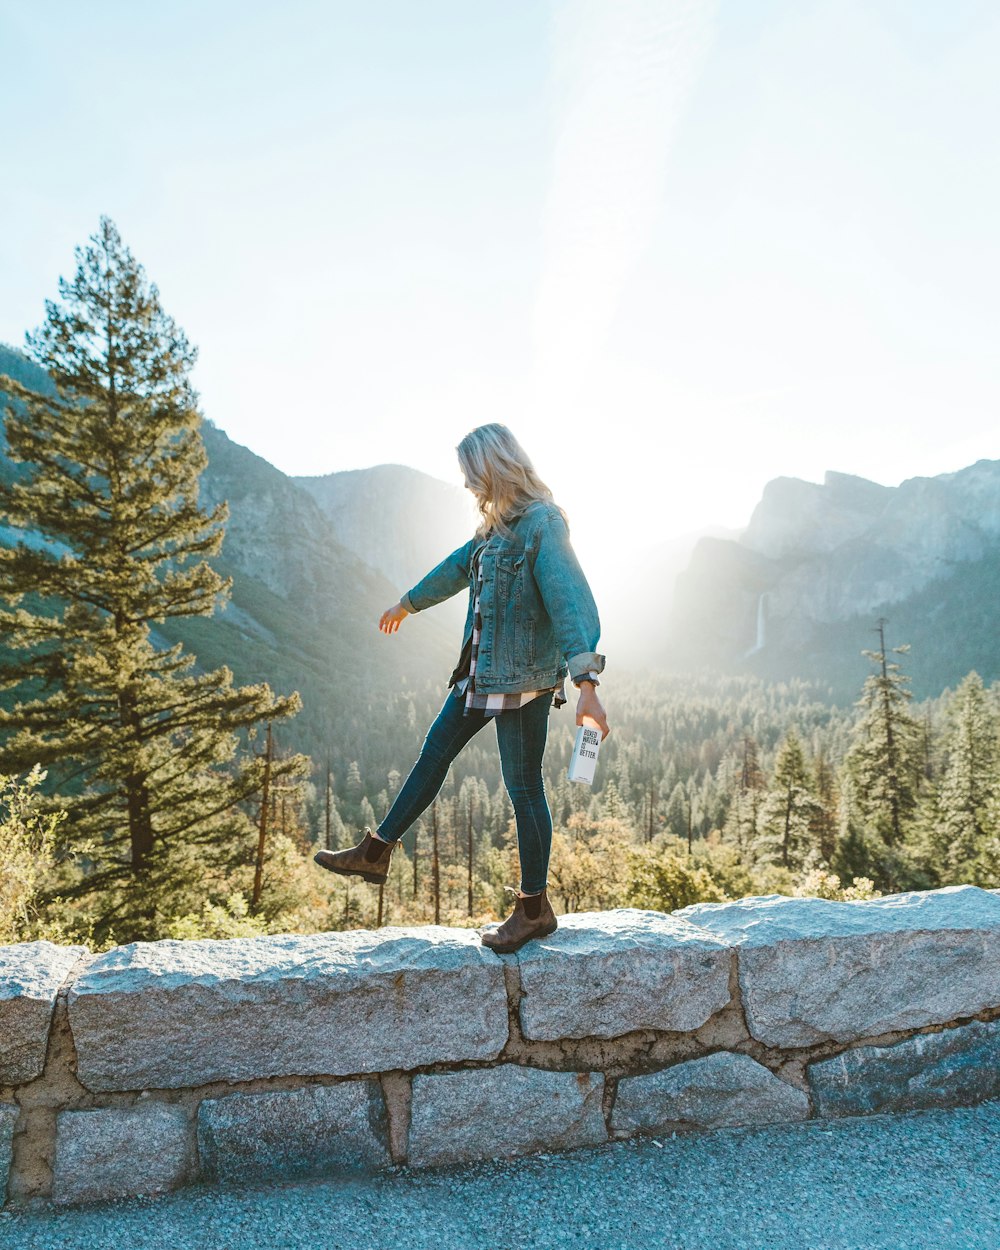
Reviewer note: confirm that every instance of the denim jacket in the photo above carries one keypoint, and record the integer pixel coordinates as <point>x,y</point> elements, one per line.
<point>540,620</point>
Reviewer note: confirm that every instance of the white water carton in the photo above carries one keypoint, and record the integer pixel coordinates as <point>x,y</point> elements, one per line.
<point>583,761</point>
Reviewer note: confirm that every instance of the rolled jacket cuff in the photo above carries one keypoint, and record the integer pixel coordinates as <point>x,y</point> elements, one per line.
<point>407,602</point>
<point>587,679</point>
<point>584,662</point>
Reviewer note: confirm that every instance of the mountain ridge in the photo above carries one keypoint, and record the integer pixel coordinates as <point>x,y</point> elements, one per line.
<point>304,608</point>
<point>794,594</point>
<point>818,563</point>
<point>373,511</point>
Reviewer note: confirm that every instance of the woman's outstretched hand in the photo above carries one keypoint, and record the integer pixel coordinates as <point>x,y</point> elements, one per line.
<point>590,710</point>
<point>390,619</point>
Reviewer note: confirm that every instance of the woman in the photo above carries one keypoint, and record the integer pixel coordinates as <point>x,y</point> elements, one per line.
<point>531,622</point>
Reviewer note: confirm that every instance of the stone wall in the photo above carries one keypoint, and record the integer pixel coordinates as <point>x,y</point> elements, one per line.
<point>161,1063</point>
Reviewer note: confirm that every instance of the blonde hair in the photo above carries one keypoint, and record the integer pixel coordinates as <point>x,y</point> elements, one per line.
<point>501,476</point>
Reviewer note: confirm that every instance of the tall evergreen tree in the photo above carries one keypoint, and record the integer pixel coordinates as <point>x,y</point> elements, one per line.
<point>967,797</point>
<point>789,809</point>
<point>858,853</point>
<point>142,748</point>
<point>743,816</point>
<point>823,829</point>
<point>676,816</point>
<point>886,757</point>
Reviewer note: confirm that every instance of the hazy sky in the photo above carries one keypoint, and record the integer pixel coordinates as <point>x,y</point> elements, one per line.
<point>679,246</point>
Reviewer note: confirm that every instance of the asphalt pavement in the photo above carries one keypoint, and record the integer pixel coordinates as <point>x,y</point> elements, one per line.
<point>924,1181</point>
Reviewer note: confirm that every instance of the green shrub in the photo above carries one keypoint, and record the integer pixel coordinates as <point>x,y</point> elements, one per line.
<point>27,852</point>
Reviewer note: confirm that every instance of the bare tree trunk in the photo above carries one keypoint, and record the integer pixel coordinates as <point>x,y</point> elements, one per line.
<point>436,865</point>
<point>890,744</point>
<point>258,876</point>
<point>329,802</point>
<point>470,854</point>
<point>136,790</point>
<point>928,764</point>
<point>788,828</point>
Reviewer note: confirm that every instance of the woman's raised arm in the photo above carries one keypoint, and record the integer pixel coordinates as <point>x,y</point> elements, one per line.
<point>443,581</point>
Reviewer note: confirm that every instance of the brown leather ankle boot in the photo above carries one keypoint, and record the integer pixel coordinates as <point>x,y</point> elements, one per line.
<point>532,917</point>
<point>369,859</point>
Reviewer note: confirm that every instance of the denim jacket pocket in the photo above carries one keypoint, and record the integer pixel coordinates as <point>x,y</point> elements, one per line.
<point>511,558</point>
<point>510,575</point>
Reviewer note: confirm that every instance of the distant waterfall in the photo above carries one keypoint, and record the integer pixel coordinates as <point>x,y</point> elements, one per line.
<point>761,625</point>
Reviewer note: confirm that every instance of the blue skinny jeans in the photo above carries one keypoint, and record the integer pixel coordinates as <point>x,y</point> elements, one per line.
<point>521,735</point>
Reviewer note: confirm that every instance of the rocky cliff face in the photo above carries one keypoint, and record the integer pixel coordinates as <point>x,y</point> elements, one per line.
<point>802,517</point>
<point>396,519</point>
<point>818,563</point>
<point>304,606</point>
<point>276,532</point>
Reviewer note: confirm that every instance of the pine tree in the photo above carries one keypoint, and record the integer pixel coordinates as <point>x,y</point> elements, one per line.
<point>353,784</point>
<point>367,818</point>
<point>823,827</point>
<point>788,810</point>
<point>611,802</point>
<point>142,751</point>
<point>854,855</point>
<point>337,835</point>
<point>886,757</point>
<point>742,819</point>
<point>967,797</point>
<point>676,816</point>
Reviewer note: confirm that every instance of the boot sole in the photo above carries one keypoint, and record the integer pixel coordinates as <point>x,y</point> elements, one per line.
<point>511,947</point>
<point>374,877</point>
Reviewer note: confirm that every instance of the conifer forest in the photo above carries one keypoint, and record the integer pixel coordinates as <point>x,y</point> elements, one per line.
<point>146,795</point>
